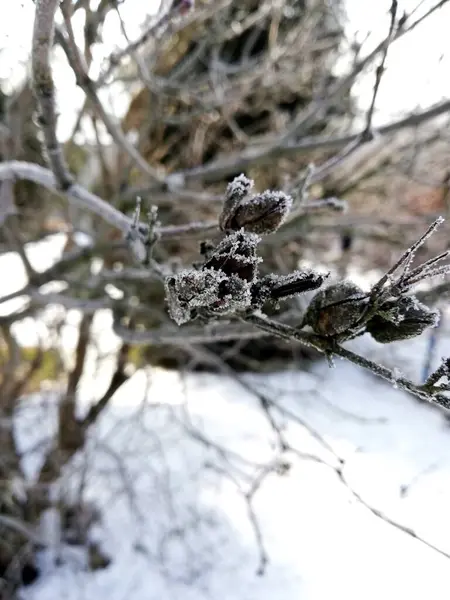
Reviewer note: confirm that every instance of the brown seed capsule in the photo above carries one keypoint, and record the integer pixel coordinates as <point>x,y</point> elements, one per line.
<point>260,213</point>
<point>236,255</point>
<point>208,292</point>
<point>236,192</point>
<point>401,319</point>
<point>336,309</point>
<point>263,213</point>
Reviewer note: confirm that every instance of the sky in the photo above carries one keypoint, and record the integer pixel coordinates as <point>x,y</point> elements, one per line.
<point>417,65</point>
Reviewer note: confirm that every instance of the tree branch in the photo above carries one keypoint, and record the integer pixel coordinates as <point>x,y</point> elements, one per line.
<point>44,88</point>
<point>238,162</point>
<point>329,348</point>
<point>88,201</point>
<point>87,85</point>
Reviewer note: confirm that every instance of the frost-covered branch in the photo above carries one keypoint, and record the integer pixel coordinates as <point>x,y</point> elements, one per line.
<point>228,284</point>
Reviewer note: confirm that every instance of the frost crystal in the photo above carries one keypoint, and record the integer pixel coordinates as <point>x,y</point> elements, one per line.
<point>209,292</point>
<point>239,188</point>
<point>401,284</point>
<point>191,289</point>
<point>396,375</point>
<point>262,213</point>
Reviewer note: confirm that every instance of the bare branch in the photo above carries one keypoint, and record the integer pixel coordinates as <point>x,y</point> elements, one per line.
<point>188,335</point>
<point>85,82</point>
<point>380,69</point>
<point>329,348</point>
<point>44,88</point>
<point>118,378</point>
<point>88,201</point>
<point>221,168</point>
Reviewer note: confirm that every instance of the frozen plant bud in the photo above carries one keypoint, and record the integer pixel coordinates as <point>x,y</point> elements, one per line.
<point>237,190</point>
<point>275,287</point>
<point>336,309</point>
<point>401,319</point>
<point>236,255</point>
<point>262,213</point>
<point>208,292</point>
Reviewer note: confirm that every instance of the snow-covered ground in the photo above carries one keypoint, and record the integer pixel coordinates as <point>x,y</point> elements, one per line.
<point>163,466</point>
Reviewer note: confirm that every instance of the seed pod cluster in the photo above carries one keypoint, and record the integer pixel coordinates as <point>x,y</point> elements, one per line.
<point>227,281</point>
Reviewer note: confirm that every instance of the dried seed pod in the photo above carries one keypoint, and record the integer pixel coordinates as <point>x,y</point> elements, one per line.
<point>401,319</point>
<point>209,291</point>
<point>276,287</point>
<point>236,192</point>
<point>336,309</point>
<point>236,255</point>
<point>263,213</point>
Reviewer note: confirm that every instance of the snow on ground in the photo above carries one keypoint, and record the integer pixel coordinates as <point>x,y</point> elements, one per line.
<point>177,527</point>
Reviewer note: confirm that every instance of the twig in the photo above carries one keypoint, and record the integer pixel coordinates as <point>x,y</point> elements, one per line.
<point>187,335</point>
<point>344,84</point>
<point>221,168</point>
<point>378,513</point>
<point>132,47</point>
<point>22,528</point>
<point>152,31</point>
<point>13,236</point>
<point>87,85</point>
<point>118,378</point>
<point>367,133</point>
<point>88,201</point>
<point>330,348</point>
<point>44,88</point>
<point>375,511</point>
<point>266,403</point>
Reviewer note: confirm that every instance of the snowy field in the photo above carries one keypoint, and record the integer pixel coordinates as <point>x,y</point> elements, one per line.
<point>171,462</point>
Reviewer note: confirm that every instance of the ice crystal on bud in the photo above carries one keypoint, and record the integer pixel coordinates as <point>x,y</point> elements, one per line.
<point>262,213</point>
<point>401,319</point>
<point>239,188</point>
